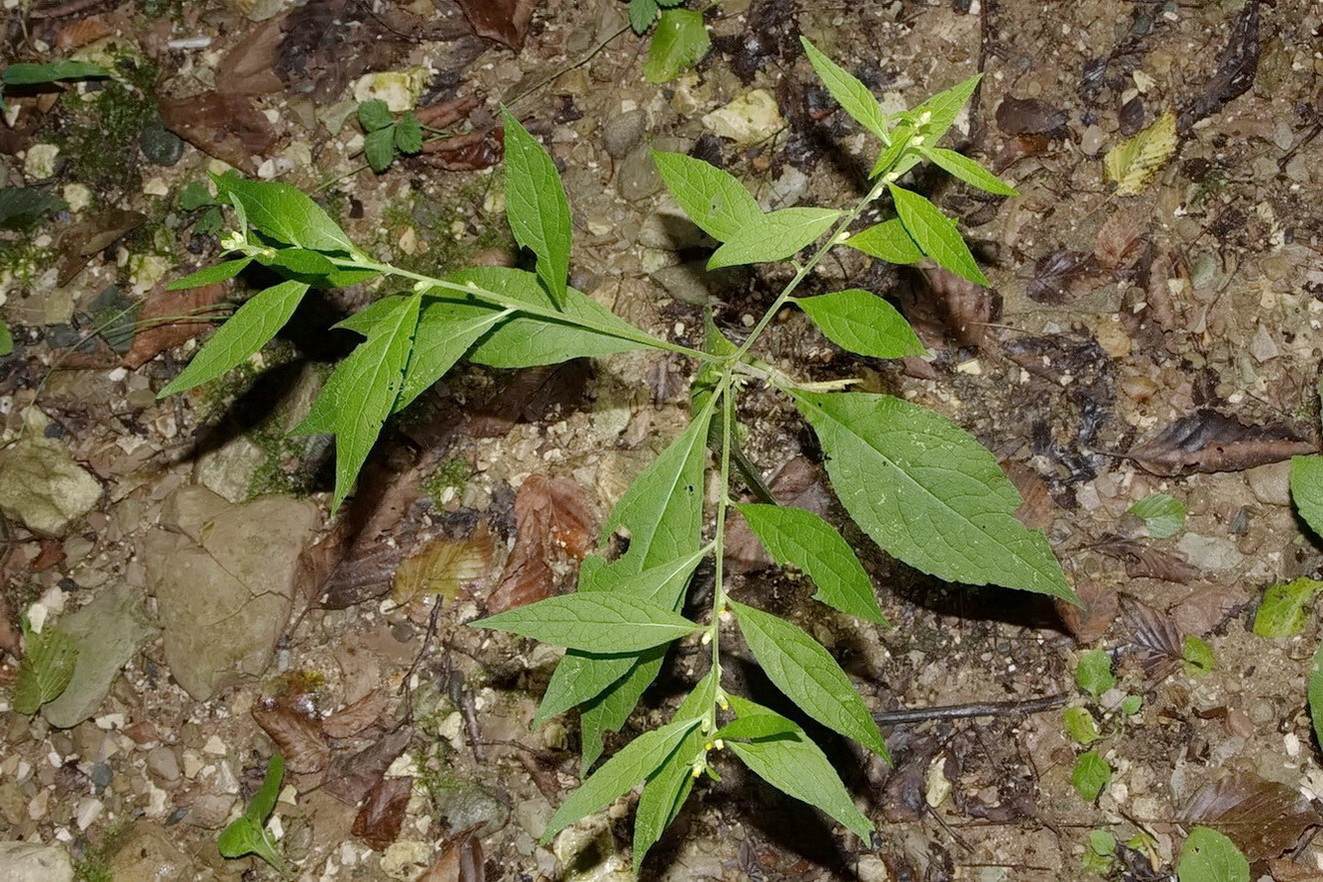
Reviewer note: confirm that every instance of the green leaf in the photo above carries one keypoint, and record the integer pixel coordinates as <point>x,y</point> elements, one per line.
<point>609,710</point>
<point>943,108</point>
<point>594,622</point>
<point>887,241</point>
<point>853,96</point>
<point>446,330</point>
<point>1131,704</point>
<point>898,157</point>
<point>264,800</point>
<point>363,389</point>
<point>635,761</point>
<point>808,675</point>
<point>1208,856</point>
<point>299,260</point>
<point>1102,843</point>
<point>759,725</point>
<point>247,834</point>
<point>1080,725</point>
<point>286,214</point>
<point>196,195</point>
<point>774,236</point>
<point>1094,672</point>
<point>526,341</point>
<point>1314,690</point>
<point>1307,490</point>
<point>929,493</point>
<point>409,135</point>
<point>256,322</point>
<point>965,169</point>
<point>714,199</point>
<point>24,207</point>
<point>1198,656</point>
<point>45,670</point>
<point>379,149</point>
<point>1163,515</point>
<point>805,540</point>
<point>51,72</point>
<point>6,340</point>
<point>680,41</point>
<point>374,115</point>
<point>642,13</point>
<point>1282,612</point>
<point>1090,776</point>
<point>861,322</point>
<point>210,275</point>
<point>797,767</point>
<point>936,234</point>
<point>536,206</point>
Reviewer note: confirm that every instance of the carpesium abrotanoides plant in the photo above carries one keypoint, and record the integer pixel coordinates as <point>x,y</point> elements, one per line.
<point>921,487</point>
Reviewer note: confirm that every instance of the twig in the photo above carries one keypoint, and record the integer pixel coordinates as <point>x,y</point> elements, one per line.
<point>965,711</point>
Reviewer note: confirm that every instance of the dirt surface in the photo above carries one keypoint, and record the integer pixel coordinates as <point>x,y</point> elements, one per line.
<point>1165,342</point>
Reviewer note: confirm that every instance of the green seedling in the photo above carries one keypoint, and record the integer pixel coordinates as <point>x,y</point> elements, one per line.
<point>387,136</point>
<point>1197,656</point>
<point>247,834</point>
<point>1282,611</point>
<point>6,340</point>
<point>46,669</point>
<point>1091,775</point>
<point>679,41</point>
<point>1163,515</point>
<point>1094,673</point>
<point>924,489</point>
<point>1209,856</point>
<point>1307,493</point>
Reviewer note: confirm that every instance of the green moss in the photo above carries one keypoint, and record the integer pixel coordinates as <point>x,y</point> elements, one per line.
<point>99,136</point>
<point>22,261</point>
<point>452,474</point>
<point>94,865</point>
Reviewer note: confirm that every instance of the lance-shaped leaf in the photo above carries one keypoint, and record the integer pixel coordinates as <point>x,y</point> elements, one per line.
<point>714,199</point>
<point>936,234</point>
<point>1314,690</point>
<point>757,725</point>
<point>898,157</point>
<point>888,241</point>
<point>210,275</point>
<point>943,108</point>
<point>609,711</point>
<point>536,206</point>
<point>793,764</point>
<point>774,236</point>
<point>853,96</point>
<point>594,622</point>
<point>25,74</point>
<point>635,761</point>
<point>860,321</point>
<point>1307,490</point>
<point>680,41</point>
<point>299,260</point>
<point>928,493</point>
<point>363,389</point>
<point>446,330</point>
<point>805,540</point>
<point>965,169</point>
<point>256,322</point>
<point>807,673</point>
<point>285,213</point>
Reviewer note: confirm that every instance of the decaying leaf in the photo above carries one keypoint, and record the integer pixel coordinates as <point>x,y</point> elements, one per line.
<point>442,566</point>
<point>1208,441</point>
<point>1143,561</point>
<point>298,737</point>
<point>171,318</point>
<point>555,523</point>
<point>378,822</point>
<point>951,309</point>
<point>1117,238</point>
<point>1236,69</point>
<point>1057,276</point>
<point>1031,116</point>
<point>80,242</point>
<point>1264,818</point>
<point>461,861</point>
<point>471,151</point>
<point>358,716</point>
<point>350,778</point>
<point>1090,621</point>
<point>225,126</point>
<point>532,394</point>
<point>1133,162</point>
<point>505,21</point>
<point>248,67</point>
<point>1153,637</point>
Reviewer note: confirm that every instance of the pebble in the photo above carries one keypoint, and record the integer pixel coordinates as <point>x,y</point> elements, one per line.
<point>34,862</point>
<point>160,145</point>
<point>623,133</point>
<point>162,762</point>
<point>1271,484</point>
<point>1212,553</point>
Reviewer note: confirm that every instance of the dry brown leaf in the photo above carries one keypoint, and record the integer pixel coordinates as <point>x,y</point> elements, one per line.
<point>378,822</point>
<point>80,33</point>
<point>1091,621</point>
<point>471,151</point>
<point>1143,561</point>
<point>461,861</point>
<point>533,394</point>
<point>1236,69</point>
<point>298,737</point>
<point>358,716</point>
<point>80,242</point>
<point>171,318</point>
<point>442,566</point>
<point>227,127</point>
<point>1290,871</point>
<point>1264,818</point>
<point>953,309</point>
<point>350,778</point>
<point>1117,238</point>
<point>248,68</point>
<point>1031,116</point>
<point>447,113</point>
<point>505,21</point>
<point>555,523</point>
<point>1208,441</point>
<point>1153,636</point>
<point>1058,276</point>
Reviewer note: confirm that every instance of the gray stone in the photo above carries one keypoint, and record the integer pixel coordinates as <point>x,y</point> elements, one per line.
<point>1271,484</point>
<point>623,133</point>
<point>225,577</point>
<point>229,469</point>
<point>1213,553</point>
<point>162,762</point>
<point>686,283</point>
<point>108,631</point>
<point>160,145</point>
<point>42,486</point>
<point>34,862</point>
<point>475,807</point>
<point>670,230</point>
<point>636,177</point>
<point>149,853</point>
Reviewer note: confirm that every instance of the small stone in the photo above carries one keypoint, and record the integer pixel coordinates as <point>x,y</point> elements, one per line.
<point>623,133</point>
<point>78,196</point>
<point>1091,140</point>
<point>162,762</point>
<point>34,862</point>
<point>406,859</point>
<point>400,89</point>
<point>669,231</point>
<point>1271,483</point>
<point>39,163</point>
<point>1263,347</point>
<point>215,746</point>
<point>42,486</point>
<point>89,809</point>
<point>686,283</point>
<point>160,145</point>
<point>1212,553</point>
<point>749,119</point>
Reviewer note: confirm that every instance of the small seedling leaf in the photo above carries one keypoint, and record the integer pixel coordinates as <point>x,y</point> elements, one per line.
<point>1090,776</point>
<point>1315,693</point>
<point>409,135</point>
<point>536,206</point>
<point>1198,656</point>
<point>1163,515</point>
<point>285,213</point>
<point>51,72</point>
<point>1282,612</point>
<point>635,761</point>
<point>808,675</point>
<point>943,108</point>
<point>374,115</point>
<point>642,13</point>
<point>6,340</point>
<point>256,322</point>
<point>1307,490</point>
<point>805,540</point>
<point>774,236</point>
<point>888,241</point>
<point>965,169</point>
<point>196,195</point>
<point>1080,725</point>
<point>1133,162</point>
<point>210,275</point>
<point>936,234</point>
<point>1208,856</point>
<point>680,41</point>
<point>45,670</point>
<point>714,199</point>
<point>1131,704</point>
<point>379,149</point>
<point>247,834</point>
<point>853,96</point>
<point>1094,672</point>
<point>594,622</point>
<point>861,322</point>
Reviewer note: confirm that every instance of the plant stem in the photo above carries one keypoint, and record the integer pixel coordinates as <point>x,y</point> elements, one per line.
<point>725,390</point>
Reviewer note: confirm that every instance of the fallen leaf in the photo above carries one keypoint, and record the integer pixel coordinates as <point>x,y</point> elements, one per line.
<point>555,522</point>
<point>1058,274</point>
<point>1133,162</point>
<point>378,822</point>
<point>533,394</point>
<point>1153,636</point>
<point>248,67</point>
<point>298,737</point>
<point>350,778</point>
<point>1117,238</point>
<point>356,717</point>
<point>1236,69</point>
<point>1031,116</point>
<point>1264,818</point>
<point>472,151</point>
<point>171,318</point>
<point>447,113</point>
<point>949,308</point>
<point>80,33</point>
<point>1038,510</point>
<point>1290,871</point>
<point>1088,623</point>
<point>79,243</point>
<point>505,21</point>
<point>442,566</point>
<point>1209,441</point>
<point>227,127</point>
<point>1143,561</point>
<point>461,861</point>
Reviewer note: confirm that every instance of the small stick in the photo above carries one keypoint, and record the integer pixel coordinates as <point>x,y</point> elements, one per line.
<point>965,711</point>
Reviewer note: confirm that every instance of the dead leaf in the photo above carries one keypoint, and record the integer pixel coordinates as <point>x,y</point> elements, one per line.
<point>479,149</point>
<point>298,737</point>
<point>461,861</point>
<point>1090,622</point>
<point>225,126</point>
<point>950,308</point>
<point>533,394</point>
<point>1290,871</point>
<point>555,522</point>
<point>1209,607</point>
<point>1153,636</point>
<point>1038,510</point>
<point>442,566</point>
<point>1263,818</point>
<point>80,33</point>
<point>350,778</point>
<point>447,113</point>
<point>356,717</point>
<point>1117,238</point>
<point>171,318</point>
<point>1143,561</point>
<point>1209,441</point>
<point>1057,276</point>
<point>80,242</point>
<point>1236,69</point>
<point>1031,116</point>
<point>505,21</point>
<point>248,68</point>
<point>1133,163</point>
<point>378,822</point>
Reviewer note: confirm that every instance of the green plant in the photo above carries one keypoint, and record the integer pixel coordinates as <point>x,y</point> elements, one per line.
<point>47,667</point>
<point>247,834</point>
<point>921,487</point>
<point>18,75</point>
<point>1209,856</point>
<point>386,136</point>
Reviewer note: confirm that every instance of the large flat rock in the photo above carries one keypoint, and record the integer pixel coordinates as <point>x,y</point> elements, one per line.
<point>42,486</point>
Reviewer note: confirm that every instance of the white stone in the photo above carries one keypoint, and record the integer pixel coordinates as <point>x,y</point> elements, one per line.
<point>39,163</point>
<point>400,89</point>
<point>749,119</point>
<point>78,196</point>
